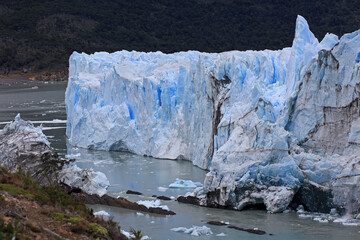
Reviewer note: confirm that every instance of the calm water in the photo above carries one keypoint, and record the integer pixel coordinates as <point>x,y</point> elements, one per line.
<point>45,102</point>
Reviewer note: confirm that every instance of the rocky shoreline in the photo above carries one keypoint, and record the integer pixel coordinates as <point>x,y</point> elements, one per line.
<point>26,152</point>
<point>48,76</point>
<point>24,146</point>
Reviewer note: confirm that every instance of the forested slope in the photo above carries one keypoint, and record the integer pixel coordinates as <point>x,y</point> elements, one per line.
<point>39,35</point>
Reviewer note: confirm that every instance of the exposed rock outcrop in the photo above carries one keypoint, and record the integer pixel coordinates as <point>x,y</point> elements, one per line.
<point>23,145</point>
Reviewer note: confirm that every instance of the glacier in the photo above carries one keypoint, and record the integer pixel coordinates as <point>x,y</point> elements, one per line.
<point>272,127</point>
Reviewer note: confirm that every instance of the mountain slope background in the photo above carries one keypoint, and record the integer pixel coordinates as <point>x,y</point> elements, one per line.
<point>40,35</point>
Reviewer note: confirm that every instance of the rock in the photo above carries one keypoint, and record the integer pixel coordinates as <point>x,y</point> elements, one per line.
<point>133,192</point>
<point>189,199</point>
<point>217,223</point>
<point>249,230</point>
<point>32,226</point>
<point>314,198</point>
<point>119,202</point>
<point>163,198</point>
<point>23,145</point>
<point>55,76</point>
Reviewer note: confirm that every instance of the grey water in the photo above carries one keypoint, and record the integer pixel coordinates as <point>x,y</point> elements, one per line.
<point>43,102</point>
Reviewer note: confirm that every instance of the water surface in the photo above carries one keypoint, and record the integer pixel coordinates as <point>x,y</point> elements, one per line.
<point>41,102</point>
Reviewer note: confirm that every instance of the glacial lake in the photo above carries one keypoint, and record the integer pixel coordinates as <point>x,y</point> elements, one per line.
<point>43,102</point>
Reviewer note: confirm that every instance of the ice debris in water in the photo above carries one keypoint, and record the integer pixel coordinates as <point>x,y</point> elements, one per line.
<point>332,217</point>
<point>227,223</point>
<point>153,204</point>
<point>300,209</point>
<point>194,230</point>
<point>162,189</point>
<point>221,235</point>
<point>180,183</point>
<point>102,213</point>
<point>132,236</point>
<point>73,156</point>
<point>127,234</point>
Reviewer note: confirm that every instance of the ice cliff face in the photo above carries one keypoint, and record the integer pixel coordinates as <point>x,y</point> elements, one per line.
<point>270,125</point>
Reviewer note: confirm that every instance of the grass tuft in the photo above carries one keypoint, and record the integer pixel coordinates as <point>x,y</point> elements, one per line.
<point>66,217</point>
<point>97,230</point>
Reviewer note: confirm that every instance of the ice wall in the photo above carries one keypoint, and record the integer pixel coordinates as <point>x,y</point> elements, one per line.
<point>150,104</point>
<point>310,153</point>
<point>259,120</point>
<point>167,106</point>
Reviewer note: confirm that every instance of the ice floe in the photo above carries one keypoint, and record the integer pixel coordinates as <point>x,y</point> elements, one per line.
<point>194,230</point>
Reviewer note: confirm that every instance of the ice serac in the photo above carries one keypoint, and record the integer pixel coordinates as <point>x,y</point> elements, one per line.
<point>271,126</point>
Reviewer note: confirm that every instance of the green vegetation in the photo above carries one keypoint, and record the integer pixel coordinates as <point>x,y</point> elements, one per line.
<point>55,204</point>
<point>67,218</point>
<point>12,189</point>
<point>8,231</point>
<point>40,35</point>
<point>21,183</point>
<point>81,225</point>
<point>137,234</point>
<point>97,230</point>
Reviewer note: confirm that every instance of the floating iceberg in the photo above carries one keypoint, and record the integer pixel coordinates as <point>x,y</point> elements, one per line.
<point>153,204</point>
<point>180,183</point>
<point>346,220</point>
<point>194,230</point>
<point>102,213</point>
<point>162,189</point>
<point>271,126</point>
<point>221,235</point>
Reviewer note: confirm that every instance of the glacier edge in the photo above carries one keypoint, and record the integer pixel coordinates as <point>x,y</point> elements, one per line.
<point>271,126</point>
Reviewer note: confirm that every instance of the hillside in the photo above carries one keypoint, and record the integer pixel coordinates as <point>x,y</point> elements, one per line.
<point>31,211</point>
<point>39,35</point>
